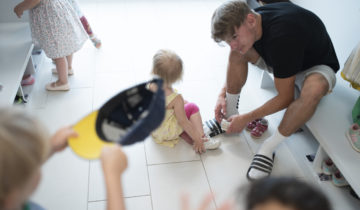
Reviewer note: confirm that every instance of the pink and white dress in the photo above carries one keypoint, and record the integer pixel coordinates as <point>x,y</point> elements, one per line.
<point>56,28</point>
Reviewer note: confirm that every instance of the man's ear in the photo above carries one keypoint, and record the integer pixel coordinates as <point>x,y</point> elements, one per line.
<point>251,19</point>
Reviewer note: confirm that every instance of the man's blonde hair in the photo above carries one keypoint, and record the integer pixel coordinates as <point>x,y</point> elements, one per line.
<point>168,66</point>
<point>226,17</point>
<point>23,148</point>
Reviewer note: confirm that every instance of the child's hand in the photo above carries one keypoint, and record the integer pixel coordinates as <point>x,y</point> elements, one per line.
<point>199,146</point>
<point>19,10</point>
<point>59,140</point>
<point>113,160</point>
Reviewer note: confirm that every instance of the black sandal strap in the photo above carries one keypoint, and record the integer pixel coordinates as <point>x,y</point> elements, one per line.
<point>261,163</point>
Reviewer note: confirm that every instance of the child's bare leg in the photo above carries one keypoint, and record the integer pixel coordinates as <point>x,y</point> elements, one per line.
<point>61,67</point>
<point>196,120</point>
<point>187,138</point>
<point>69,59</point>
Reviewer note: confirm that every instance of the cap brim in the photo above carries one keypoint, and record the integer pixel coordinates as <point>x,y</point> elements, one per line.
<point>87,145</point>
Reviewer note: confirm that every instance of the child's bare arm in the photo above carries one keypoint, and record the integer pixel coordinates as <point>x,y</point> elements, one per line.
<point>187,125</point>
<point>114,163</point>
<point>25,5</point>
<point>58,141</point>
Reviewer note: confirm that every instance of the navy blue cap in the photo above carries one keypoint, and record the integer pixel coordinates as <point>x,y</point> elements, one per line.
<point>131,115</point>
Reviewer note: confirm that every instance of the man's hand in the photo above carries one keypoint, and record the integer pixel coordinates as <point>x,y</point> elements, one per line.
<point>19,10</point>
<point>237,123</point>
<point>59,140</point>
<point>220,108</point>
<point>113,160</point>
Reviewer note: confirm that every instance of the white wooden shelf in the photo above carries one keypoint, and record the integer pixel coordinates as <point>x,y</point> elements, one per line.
<point>15,56</point>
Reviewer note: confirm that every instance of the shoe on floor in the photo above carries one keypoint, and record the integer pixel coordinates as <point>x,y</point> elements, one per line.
<point>260,128</point>
<point>70,71</point>
<point>338,179</point>
<point>53,87</point>
<point>353,134</point>
<point>251,125</point>
<point>211,143</point>
<point>328,167</point>
<point>28,81</point>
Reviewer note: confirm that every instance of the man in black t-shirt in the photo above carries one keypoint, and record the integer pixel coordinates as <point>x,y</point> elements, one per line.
<point>288,41</point>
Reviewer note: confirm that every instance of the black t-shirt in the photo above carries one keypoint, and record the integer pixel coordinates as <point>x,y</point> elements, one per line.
<point>293,40</point>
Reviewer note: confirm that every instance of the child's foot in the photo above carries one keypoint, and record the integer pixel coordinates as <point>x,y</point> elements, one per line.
<point>70,71</point>
<point>96,41</point>
<point>28,80</point>
<point>211,143</point>
<point>57,86</point>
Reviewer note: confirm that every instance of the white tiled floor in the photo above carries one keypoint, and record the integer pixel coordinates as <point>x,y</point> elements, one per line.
<point>132,31</point>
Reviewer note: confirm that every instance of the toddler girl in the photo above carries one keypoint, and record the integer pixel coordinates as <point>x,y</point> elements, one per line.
<point>56,28</point>
<point>182,119</point>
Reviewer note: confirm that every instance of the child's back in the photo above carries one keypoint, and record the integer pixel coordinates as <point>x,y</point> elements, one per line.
<point>182,119</point>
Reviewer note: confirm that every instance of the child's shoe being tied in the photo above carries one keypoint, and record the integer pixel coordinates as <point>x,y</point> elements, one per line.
<point>328,167</point>
<point>353,134</point>
<point>211,143</point>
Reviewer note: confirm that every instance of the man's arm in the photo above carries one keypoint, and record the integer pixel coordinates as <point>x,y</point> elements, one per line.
<point>285,88</point>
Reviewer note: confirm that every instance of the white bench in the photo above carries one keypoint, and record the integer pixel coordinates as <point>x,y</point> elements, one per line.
<point>328,125</point>
<point>15,57</point>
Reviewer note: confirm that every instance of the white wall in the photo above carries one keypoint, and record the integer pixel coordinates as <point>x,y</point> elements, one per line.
<point>7,12</point>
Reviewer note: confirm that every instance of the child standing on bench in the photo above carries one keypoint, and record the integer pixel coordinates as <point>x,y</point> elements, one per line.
<point>56,28</point>
<point>182,119</point>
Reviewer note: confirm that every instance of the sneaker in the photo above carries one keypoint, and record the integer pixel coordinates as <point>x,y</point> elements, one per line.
<point>338,179</point>
<point>328,167</point>
<point>260,128</point>
<point>213,128</point>
<point>211,143</point>
<point>251,125</point>
<point>28,81</point>
<point>353,134</point>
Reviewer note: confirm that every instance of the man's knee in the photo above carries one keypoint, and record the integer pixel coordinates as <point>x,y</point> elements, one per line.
<point>315,87</point>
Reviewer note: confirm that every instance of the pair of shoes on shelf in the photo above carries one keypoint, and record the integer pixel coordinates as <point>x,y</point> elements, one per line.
<point>70,71</point>
<point>29,80</point>
<point>52,86</point>
<point>213,128</point>
<point>257,127</point>
<point>353,135</point>
<point>329,168</point>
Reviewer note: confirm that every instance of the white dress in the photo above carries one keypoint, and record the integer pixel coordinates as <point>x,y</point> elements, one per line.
<point>56,28</point>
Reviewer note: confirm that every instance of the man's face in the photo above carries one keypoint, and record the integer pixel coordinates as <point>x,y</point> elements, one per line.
<point>243,38</point>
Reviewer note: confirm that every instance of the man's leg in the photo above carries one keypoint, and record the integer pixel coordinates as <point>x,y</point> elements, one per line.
<point>236,76</point>
<point>297,114</point>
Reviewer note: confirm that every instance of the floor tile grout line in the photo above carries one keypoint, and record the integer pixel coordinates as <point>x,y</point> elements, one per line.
<point>126,197</point>
<point>207,178</point>
<point>148,175</point>
<point>88,191</point>
<point>177,162</point>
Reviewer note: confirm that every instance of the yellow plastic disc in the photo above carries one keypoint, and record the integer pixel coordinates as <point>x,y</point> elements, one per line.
<point>87,145</point>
